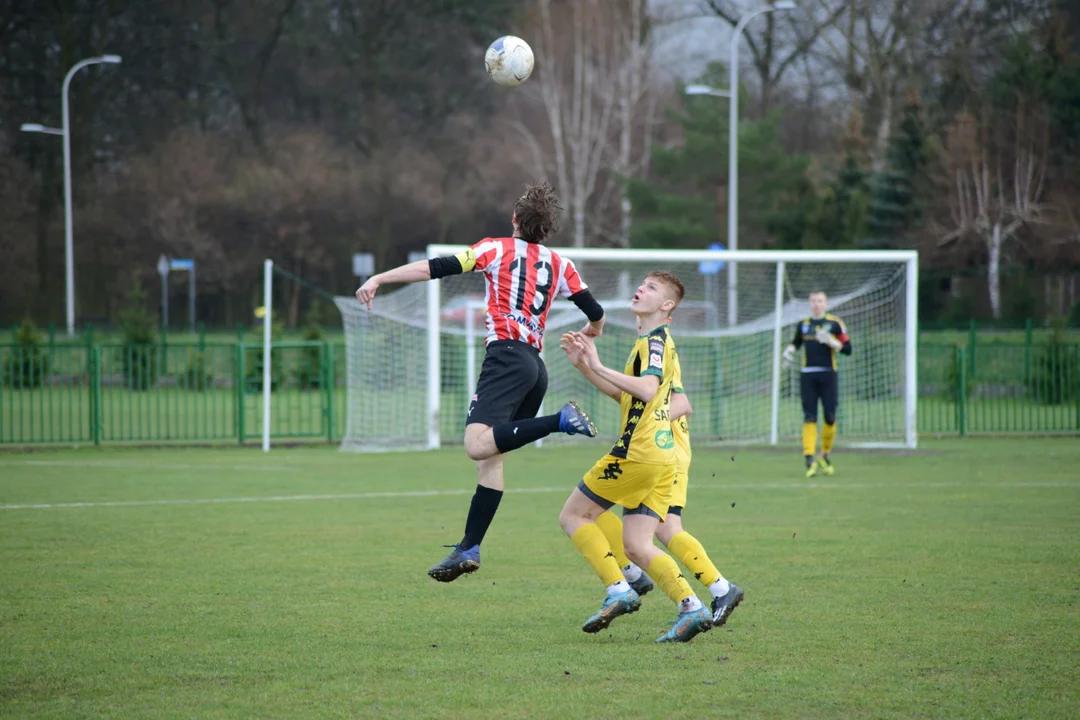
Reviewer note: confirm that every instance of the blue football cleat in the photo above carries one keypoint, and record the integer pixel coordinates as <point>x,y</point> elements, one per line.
<point>574,421</point>
<point>613,607</point>
<point>688,626</point>
<point>459,562</point>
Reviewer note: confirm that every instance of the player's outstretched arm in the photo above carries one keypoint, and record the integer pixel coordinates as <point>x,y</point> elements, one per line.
<point>575,348</point>
<point>644,387</point>
<point>421,270</point>
<point>418,271</point>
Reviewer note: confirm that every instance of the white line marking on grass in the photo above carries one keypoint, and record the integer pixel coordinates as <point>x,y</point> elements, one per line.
<point>141,465</point>
<point>463,491</point>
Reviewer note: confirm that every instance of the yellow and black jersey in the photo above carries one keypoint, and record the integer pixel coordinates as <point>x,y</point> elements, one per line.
<point>680,430</point>
<point>817,356</point>
<point>646,436</point>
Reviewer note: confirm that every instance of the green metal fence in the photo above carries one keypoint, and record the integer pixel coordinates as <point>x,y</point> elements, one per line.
<point>212,392</point>
<point>205,393</point>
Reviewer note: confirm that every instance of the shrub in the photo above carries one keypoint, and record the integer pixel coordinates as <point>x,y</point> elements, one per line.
<point>1055,375</point>
<point>139,357</point>
<point>26,365</point>
<point>309,374</point>
<point>253,363</point>
<point>196,377</point>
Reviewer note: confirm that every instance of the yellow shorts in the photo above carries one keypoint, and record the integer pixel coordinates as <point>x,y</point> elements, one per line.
<point>678,489</point>
<point>615,481</point>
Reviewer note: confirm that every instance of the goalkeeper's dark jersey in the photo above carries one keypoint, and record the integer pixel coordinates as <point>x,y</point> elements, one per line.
<point>817,356</point>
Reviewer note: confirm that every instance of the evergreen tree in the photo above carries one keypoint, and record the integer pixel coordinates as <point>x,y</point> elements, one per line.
<point>684,202</point>
<point>839,219</point>
<point>895,201</point>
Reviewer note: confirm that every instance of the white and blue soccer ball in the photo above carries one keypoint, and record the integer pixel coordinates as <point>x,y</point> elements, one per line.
<point>509,61</point>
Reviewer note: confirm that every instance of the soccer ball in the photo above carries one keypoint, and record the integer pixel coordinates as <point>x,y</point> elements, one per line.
<point>509,61</point>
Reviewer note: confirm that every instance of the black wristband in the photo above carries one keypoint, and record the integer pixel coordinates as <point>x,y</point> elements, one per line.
<point>588,305</point>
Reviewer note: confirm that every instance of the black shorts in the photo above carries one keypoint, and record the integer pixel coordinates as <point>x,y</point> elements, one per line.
<point>821,386</point>
<point>512,384</point>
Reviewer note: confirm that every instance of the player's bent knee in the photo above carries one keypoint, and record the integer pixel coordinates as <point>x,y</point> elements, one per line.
<point>668,529</point>
<point>830,419</point>
<point>479,453</point>
<point>579,509</point>
<point>479,442</point>
<point>640,552</point>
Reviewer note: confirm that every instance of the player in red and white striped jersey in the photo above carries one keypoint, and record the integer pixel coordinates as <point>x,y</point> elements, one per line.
<point>522,277</point>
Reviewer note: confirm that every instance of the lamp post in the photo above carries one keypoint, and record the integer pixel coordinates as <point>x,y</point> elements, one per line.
<point>733,152</point>
<point>65,131</point>
<point>733,145</point>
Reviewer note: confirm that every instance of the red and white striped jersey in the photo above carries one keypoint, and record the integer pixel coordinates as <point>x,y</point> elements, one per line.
<point>521,280</point>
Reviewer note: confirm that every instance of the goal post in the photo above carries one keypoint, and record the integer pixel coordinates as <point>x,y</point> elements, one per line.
<point>427,338</point>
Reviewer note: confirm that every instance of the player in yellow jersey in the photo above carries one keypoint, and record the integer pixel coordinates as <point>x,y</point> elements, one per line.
<point>639,470</point>
<point>684,546</point>
<point>821,336</point>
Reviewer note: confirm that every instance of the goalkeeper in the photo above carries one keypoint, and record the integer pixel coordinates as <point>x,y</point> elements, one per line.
<point>522,277</point>
<point>821,336</point>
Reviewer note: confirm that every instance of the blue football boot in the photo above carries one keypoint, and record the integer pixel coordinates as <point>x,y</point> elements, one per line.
<point>574,421</point>
<point>688,626</point>
<point>459,562</point>
<point>613,607</point>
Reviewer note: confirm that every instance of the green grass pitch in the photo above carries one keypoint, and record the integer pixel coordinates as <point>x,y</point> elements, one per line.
<point>228,583</point>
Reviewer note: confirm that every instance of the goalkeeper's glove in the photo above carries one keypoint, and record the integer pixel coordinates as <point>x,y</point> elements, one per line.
<point>827,338</point>
<point>789,356</point>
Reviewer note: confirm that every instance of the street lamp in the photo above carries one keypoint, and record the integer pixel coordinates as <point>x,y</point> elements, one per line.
<point>733,150</point>
<point>706,90</point>
<point>69,260</point>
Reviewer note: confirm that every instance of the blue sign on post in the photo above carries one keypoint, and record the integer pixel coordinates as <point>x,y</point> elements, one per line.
<point>712,267</point>
<point>164,266</point>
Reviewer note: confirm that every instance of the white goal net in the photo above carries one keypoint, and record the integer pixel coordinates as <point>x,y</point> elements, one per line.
<point>413,360</point>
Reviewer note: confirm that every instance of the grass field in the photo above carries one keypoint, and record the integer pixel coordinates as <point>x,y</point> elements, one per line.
<point>226,583</point>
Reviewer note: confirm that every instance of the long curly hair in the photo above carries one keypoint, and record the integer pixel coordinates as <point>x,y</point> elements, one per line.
<point>537,213</point>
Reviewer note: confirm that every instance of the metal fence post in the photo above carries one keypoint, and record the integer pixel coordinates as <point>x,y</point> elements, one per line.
<point>962,394</point>
<point>329,384</point>
<point>972,339</point>
<point>1076,382</point>
<point>95,394</point>
<point>238,394</point>
<point>1027,352</point>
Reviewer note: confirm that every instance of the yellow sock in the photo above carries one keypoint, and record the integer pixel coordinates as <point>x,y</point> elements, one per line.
<point>665,573</point>
<point>610,524</point>
<point>687,548</point>
<point>591,543</point>
<point>809,438</point>
<point>828,434</point>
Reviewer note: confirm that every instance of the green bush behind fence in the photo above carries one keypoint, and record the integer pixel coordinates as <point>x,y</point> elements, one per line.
<point>200,392</point>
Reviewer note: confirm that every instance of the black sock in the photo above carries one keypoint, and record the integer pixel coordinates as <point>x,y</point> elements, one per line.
<point>485,502</point>
<point>512,435</point>
<point>809,460</point>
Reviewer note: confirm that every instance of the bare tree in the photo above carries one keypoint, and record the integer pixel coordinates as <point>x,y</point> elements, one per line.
<point>777,41</point>
<point>874,45</point>
<point>996,176</point>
